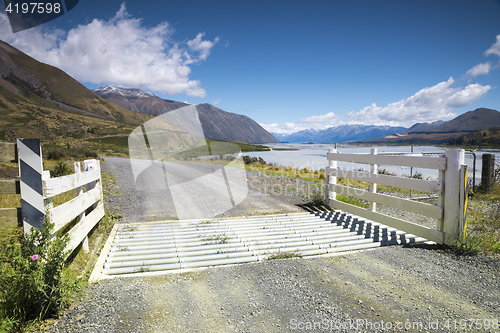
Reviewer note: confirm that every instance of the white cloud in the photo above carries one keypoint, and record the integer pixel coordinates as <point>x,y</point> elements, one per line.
<point>283,128</point>
<point>202,46</point>
<point>119,51</point>
<point>427,105</point>
<point>495,48</point>
<point>480,69</point>
<point>217,101</point>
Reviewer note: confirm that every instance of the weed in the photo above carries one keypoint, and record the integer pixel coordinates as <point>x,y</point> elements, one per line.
<point>217,239</point>
<point>34,282</point>
<point>142,269</point>
<point>284,255</point>
<point>61,169</point>
<point>317,199</point>
<point>471,245</point>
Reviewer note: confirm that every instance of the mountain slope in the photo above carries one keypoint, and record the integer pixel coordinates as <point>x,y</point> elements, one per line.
<point>471,121</point>
<point>342,133</point>
<point>138,100</point>
<point>217,124</point>
<point>27,78</point>
<point>221,125</point>
<point>425,127</point>
<point>41,101</point>
<point>484,138</point>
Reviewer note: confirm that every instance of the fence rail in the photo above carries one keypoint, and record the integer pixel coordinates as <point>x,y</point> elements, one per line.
<point>79,215</point>
<point>446,212</point>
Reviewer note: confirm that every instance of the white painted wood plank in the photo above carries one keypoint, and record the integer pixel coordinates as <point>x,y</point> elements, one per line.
<point>65,213</point>
<point>412,228</point>
<point>408,161</point>
<point>81,230</point>
<point>408,183</point>
<point>404,204</point>
<point>32,197</point>
<point>55,186</point>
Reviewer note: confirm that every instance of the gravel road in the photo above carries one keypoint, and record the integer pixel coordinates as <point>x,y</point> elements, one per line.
<point>391,289</point>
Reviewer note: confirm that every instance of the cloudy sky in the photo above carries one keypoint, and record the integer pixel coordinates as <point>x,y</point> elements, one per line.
<point>289,65</point>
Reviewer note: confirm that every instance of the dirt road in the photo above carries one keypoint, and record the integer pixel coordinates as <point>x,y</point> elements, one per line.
<point>392,289</point>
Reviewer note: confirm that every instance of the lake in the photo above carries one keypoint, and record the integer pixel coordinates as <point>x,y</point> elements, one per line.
<point>313,156</point>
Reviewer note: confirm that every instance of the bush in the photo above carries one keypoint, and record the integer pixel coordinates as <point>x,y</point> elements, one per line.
<point>251,160</point>
<point>60,169</point>
<point>55,154</point>
<point>32,283</point>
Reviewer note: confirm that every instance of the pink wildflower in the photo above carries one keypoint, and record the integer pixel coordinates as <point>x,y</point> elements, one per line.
<point>35,257</point>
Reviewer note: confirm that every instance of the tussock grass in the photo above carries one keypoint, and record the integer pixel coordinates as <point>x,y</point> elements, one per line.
<point>483,224</point>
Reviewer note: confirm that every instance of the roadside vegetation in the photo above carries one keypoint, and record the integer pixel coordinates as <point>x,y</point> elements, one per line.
<point>38,280</point>
<point>483,221</point>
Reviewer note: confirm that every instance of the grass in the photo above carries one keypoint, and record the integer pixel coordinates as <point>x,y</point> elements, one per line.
<point>216,239</point>
<point>142,270</point>
<point>284,255</point>
<point>483,224</point>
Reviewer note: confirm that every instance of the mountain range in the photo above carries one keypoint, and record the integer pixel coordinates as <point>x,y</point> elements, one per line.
<point>464,124</point>
<point>39,100</point>
<point>341,133</point>
<point>420,133</point>
<point>216,123</point>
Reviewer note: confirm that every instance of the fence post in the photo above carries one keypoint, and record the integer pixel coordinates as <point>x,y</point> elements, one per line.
<point>373,187</point>
<point>332,164</point>
<point>81,218</point>
<point>455,158</point>
<point>487,174</point>
<point>30,174</point>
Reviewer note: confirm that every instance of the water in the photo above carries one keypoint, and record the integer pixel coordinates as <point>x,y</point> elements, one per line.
<point>313,156</point>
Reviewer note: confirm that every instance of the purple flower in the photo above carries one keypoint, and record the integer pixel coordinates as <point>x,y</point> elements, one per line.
<point>35,257</point>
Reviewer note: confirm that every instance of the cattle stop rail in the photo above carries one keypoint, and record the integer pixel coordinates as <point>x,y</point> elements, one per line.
<point>449,188</point>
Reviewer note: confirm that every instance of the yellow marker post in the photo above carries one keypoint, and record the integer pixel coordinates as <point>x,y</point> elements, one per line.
<point>465,191</point>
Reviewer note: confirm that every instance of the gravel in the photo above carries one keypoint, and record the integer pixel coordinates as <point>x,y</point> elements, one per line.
<point>404,288</point>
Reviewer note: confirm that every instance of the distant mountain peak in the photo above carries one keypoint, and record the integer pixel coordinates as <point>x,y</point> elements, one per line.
<point>217,124</point>
<point>341,133</point>
<point>127,92</point>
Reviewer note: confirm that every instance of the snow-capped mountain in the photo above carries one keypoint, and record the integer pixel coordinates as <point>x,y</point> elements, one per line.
<point>342,133</point>
<point>129,92</point>
<point>217,124</point>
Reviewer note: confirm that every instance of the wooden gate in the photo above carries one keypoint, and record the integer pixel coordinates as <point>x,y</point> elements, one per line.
<point>447,212</point>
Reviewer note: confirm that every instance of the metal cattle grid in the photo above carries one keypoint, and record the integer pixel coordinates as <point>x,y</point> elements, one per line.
<point>174,245</point>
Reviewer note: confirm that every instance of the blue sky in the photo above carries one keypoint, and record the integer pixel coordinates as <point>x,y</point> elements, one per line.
<point>289,65</point>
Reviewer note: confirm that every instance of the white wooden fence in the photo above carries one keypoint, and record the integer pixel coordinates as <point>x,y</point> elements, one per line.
<point>449,209</point>
<point>89,198</point>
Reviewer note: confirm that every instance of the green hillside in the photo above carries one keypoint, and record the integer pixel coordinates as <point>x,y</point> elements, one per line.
<point>489,138</point>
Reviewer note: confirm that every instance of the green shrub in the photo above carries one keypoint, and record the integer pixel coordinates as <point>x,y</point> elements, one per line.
<point>61,169</point>
<point>55,154</point>
<point>32,283</point>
